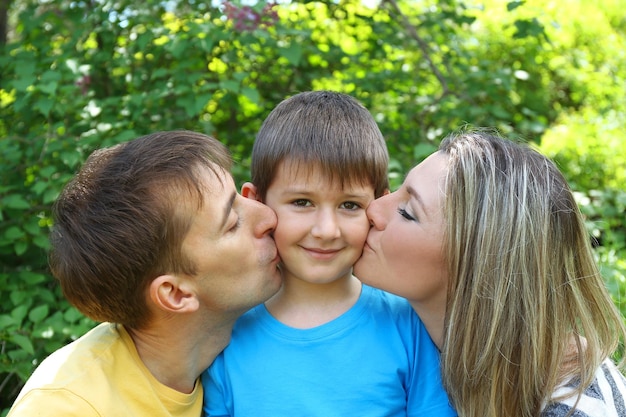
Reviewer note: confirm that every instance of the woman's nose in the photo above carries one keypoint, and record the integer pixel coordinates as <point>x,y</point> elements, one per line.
<point>377,211</point>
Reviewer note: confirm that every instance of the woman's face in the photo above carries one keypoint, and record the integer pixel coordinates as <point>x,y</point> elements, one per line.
<point>404,250</point>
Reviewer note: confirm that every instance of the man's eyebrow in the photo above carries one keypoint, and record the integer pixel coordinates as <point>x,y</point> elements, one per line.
<point>227,208</point>
<point>413,193</point>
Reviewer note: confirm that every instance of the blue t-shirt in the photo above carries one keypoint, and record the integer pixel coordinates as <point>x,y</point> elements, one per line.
<point>374,360</point>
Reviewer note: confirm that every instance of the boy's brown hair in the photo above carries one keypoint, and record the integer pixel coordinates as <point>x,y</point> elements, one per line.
<point>327,129</point>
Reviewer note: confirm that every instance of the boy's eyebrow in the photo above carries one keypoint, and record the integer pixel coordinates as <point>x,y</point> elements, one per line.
<point>359,195</point>
<point>227,208</point>
<point>306,191</point>
<point>293,190</point>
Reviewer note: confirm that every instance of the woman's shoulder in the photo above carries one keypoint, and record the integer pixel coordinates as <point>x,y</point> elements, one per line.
<point>605,396</point>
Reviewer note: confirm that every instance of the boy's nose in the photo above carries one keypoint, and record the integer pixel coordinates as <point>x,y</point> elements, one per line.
<point>326,225</point>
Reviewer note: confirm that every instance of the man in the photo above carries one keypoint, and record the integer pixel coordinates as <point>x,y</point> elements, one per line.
<point>152,239</point>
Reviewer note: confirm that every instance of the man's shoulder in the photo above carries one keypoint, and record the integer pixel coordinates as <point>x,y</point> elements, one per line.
<point>52,402</point>
<point>69,376</point>
<point>77,365</point>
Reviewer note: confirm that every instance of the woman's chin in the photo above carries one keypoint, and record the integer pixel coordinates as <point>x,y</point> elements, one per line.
<point>363,270</point>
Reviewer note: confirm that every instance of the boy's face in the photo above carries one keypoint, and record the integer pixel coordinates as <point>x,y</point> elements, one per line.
<point>321,227</point>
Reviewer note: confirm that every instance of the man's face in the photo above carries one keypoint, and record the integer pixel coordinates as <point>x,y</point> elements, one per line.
<point>230,245</point>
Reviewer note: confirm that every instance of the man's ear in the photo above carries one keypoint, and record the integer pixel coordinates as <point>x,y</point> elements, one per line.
<point>173,294</point>
<point>249,190</point>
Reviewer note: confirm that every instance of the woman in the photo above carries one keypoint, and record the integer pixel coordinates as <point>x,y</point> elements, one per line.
<point>486,241</point>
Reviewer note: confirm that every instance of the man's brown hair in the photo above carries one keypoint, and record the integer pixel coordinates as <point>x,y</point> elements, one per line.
<point>121,221</point>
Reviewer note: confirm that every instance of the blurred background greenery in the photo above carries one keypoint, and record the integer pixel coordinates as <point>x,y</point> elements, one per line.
<point>76,75</point>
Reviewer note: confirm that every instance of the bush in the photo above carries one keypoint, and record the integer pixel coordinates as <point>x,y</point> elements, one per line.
<point>76,76</point>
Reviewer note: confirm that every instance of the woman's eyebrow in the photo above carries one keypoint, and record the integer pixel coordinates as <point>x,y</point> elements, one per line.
<point>413,193</point>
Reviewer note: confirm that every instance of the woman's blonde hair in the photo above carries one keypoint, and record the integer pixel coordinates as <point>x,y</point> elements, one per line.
<point>523,283</point>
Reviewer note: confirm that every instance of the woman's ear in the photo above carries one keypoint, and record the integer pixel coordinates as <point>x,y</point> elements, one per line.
<point>249,190</point>
<point>386,191</point>
<point>173,294</point>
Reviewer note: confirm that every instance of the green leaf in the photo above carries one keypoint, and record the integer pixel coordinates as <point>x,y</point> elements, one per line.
<point>178,47</point>
<point>159,73</point>
<point>31,278</point>
<point>6,321</point>
<point>512,5</point>
<point>207,44</point>
<point>252,94</point>
<point>39,187</point>
<point>14,233</point>
<point>230,85</point>
<point>20,247</point>
<point>15,201</point>
<point>422,150</point>
<point>32,226</point>
<point>41,242</point>
<point>45,104</point>
<point>187,103</point>
<point>50,195</point>
<point>25,68</point>
<point>293,53</point>
<point>22,83</point>
<point>72,315</point>
<point>19,313</point>
<point>49,88</point>
<point>47,172</point>
<point>23,342</point>
<point>143,39</point>
<point>39,313</point>
<point>50,76</point>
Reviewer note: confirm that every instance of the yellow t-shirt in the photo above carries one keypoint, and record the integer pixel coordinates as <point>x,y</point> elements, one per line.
<point>101,374</point>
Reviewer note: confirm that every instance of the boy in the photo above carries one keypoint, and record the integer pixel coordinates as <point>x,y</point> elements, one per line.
<point>324,345</point>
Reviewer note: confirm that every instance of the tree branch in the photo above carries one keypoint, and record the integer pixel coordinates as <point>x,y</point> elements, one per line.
<point>412,30</point>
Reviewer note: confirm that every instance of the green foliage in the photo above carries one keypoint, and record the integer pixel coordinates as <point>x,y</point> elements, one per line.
<point>76,76</point>
<point>590,148</point>
<point>587,140</point>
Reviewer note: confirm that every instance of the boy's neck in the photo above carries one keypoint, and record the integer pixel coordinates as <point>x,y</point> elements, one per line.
<point>304,305</point>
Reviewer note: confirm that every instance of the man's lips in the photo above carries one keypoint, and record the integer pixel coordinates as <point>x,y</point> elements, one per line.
<point>276,258</point>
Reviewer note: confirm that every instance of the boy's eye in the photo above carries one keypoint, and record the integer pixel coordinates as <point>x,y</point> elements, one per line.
<point>301,202</point>
<point>350,205</point>
<point>406,214</point>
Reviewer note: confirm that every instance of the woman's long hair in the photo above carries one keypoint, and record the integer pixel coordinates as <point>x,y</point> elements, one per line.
<point>523,283</point>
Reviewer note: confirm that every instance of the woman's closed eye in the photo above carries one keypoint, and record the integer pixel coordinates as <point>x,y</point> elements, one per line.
<point>406,214</point>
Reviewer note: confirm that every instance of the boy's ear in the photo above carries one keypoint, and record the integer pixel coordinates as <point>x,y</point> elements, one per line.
<point>249,190</point>
<point>173,294</point>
